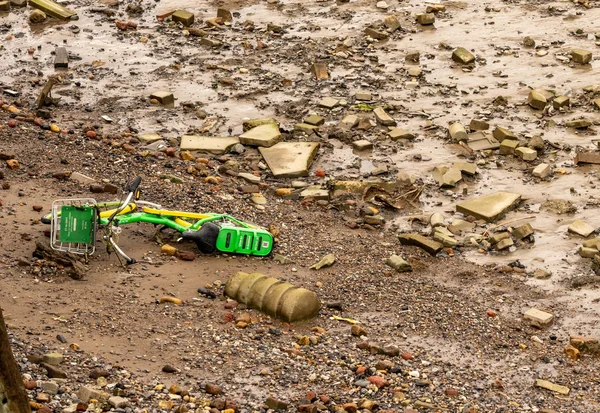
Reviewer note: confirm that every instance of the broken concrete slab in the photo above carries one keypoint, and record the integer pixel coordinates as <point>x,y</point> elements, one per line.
<point>265,135</point>
<point>209,144</point>
<point>314,120</point>
<point>446,240</point>
<point>481,141</point>
<point>362,145</point>
<point>522,231</point>
<point>490,207</point>
<point>399,133</point>
<point>349,121</point>
<point>578,227</point>
<point>538,318</point>
<point>417,240</point>
<point>587,157</point>
<point>315,192</point>
<point>502,133</point>
<point>253,123</point>
<point>53,9</point>
<point>466,167</point>
<point>447,177</point>
<point>290,159</point>
<point>149,137</point>
<point>597,103</point>
<point>328,103</point>
<point>463,56</point>
<point>305,127</point>
<point>504,244</point>
<point>383,118</point>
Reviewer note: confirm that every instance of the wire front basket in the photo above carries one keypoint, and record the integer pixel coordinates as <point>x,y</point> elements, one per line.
<point>73,226</point>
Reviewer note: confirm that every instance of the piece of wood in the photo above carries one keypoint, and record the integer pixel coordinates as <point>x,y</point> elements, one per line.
<point>61,57</point>
<point>13,396</point>
<point>44,97</point>
<point>53,9</point>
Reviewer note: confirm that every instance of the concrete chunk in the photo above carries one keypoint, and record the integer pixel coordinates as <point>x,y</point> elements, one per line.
<point>316,192</point>
<point>478,124</point>
<point>462,56</point>
<point>504,244</point>
<point>362,145</point>
<point>587,157</point>
<point>542,170</point>
<point>392,23</point>
<point>149,137</point>
<point>445,240</point>
<point>536,100</point>
<point>383,117</point>
<point>581,56</point>
<point>489,207</point>
<point>118,402</point>
<point>561,102</point>
<point>290,159</point>
<point>466,167</point>
<point>210,144</point>
<point>580,228</point>
<point>578,123</point>
<point>426,19</point>
<point>527,154</point>
<point>315,120</point>
<point>376,34</point>
<point>184,17</point>
<point>399,133</point>
<point>329,103</point>
<point>523,231</point>
<point>538,318</point>
<point>164,97</point>
<point>264,135</point>
<point>597,103</point>
<point>305,127</point>
<point>398,263</point>
<point>508,147</point>
<point>432,247</point>
<point>587,345</point>
<point>253,123</point>
<point>502,133</point>
<point>349,121</point>
<point>587,252</point>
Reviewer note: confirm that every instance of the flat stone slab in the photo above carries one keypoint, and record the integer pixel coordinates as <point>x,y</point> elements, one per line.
<point>290,159</point>
<point>149,137</point>
<point>263,135</point>
<point>580,228</point>
<point>315,192</point>
<point>489,207</point>
<point>210,144</point>
<point>480,141</point>
<point>432,247</point>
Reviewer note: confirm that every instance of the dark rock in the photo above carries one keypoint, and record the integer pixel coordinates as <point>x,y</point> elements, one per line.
<point>54,372</point>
